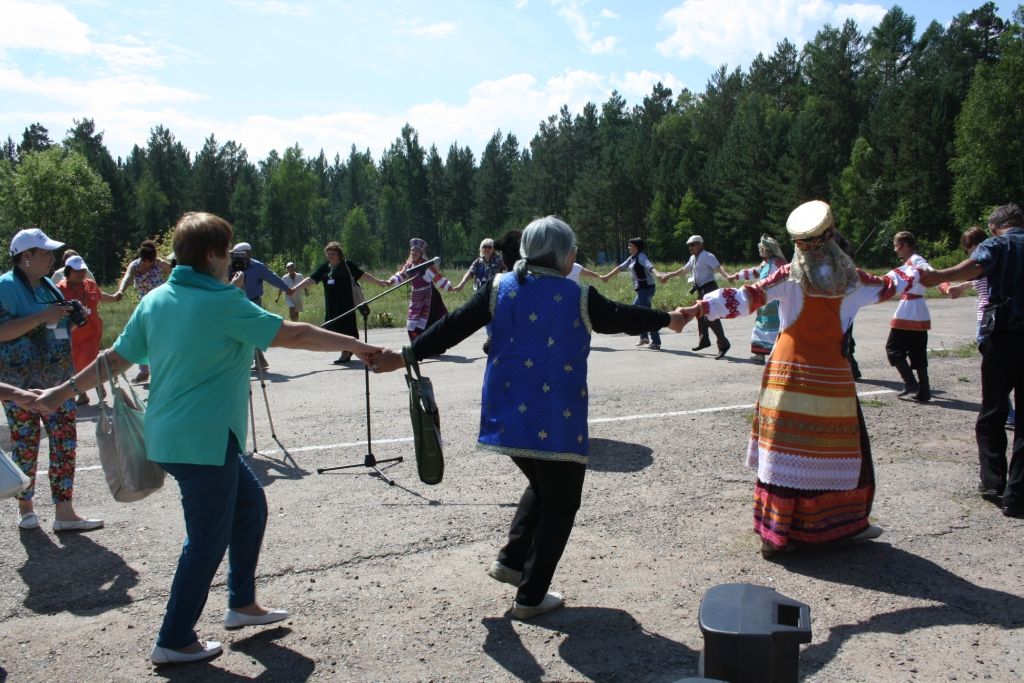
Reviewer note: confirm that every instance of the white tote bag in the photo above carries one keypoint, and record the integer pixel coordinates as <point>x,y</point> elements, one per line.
<point>12,480</point>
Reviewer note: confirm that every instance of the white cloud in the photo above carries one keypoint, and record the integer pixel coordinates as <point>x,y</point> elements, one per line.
<point>608,14</point>
<point>42,26</point>
<point>636,85</point>
<point>521,4</point>
<point>436,30</point>
<point>582,27</point>
<point>735,32</point>
<point>278,7</point>
<point>866,16</point>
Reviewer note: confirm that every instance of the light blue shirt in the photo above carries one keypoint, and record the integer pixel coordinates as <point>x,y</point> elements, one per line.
<point>198,335</point>
<point>255,274</point>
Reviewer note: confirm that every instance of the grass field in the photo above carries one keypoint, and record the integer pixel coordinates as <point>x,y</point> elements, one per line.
<point>390,311</point>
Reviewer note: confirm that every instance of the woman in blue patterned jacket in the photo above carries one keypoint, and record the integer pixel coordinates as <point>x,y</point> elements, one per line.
<point>535,396</point>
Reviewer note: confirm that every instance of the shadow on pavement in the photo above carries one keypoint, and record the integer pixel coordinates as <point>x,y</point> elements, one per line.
<point>607,455</point>
<point>882,568</point>
<point>281,663</point>
<point>603,644</point>
<point>79,576</point>
<point>268,470</point>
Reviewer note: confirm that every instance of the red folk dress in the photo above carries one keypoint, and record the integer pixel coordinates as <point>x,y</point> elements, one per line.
<point>808,443</point>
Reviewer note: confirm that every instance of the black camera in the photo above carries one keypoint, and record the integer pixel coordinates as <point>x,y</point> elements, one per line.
<point>240,260</point>
<point>76,311</point>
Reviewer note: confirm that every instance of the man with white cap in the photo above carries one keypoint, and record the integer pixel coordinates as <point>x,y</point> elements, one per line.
<point>294,300</point>
<point>703,265</point>
<point>85,339</point>
<point>255,273</point>
<point>35,353</point>
<point>808,443</point>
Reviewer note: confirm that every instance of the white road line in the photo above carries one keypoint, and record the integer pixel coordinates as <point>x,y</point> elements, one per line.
<point>599,420</point>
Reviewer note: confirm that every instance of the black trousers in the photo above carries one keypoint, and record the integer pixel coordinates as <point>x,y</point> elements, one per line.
<point>907,344</point>
<point>542,524</point>
<point>703,324</point>
<point>1002,369</point>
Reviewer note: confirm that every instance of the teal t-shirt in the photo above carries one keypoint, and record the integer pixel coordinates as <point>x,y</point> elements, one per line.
<point>198,335</point>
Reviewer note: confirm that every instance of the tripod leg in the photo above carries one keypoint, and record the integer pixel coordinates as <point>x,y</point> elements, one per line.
<point>266,400</point>
<point>252,419</point>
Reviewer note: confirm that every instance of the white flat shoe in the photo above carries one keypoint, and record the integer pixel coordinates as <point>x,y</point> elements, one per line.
<point>551,601</point>
<point>234,619</point>
<point>500,572</point>
<point>28,521</point>
<point>76,525</point>
<point>165,655</point>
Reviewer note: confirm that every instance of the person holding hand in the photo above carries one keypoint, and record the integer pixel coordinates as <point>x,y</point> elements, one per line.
<point>35,353</point>
<point>535,394</point>
<point>703,265</point>
<point>198,333</point>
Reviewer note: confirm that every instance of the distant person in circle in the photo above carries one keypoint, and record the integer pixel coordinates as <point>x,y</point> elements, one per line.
<point>643,272</point>
<point>294,301</point>
<point>58,275</point>
<point>703,265</point>
<point>147,272</point>
<point>482,270</point>
<point>425,304</point>
<point>340,278</point>
<point>85,339</point>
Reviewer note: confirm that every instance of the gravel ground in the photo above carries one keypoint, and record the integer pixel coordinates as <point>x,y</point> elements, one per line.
<point>388,583</point>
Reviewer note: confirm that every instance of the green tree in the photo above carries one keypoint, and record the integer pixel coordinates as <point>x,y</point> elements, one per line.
<point>59,192</point>
<point>361,245</point>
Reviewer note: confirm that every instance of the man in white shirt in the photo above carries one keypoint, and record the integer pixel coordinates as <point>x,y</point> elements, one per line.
<point>294,302</point>
<point>703,265</point>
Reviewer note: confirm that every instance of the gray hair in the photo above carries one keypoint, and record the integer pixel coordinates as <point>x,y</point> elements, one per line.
<point>547,242</point>
<point>1007,216</point>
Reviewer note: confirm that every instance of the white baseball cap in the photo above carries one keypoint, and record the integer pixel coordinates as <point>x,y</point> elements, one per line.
<point>290,264</point>
<point>76,263</point>
<point>32,238</point>
<point>242,246</point>
<point>695,239</point>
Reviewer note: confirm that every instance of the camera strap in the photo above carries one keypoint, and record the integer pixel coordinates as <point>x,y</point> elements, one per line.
<point>49,286</point>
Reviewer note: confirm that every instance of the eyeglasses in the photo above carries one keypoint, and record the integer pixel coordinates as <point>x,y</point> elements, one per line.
<point>487,247</point>
<point>811,243</point>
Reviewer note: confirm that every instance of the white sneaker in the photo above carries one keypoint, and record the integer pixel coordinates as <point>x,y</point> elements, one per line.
<point>500,572</point>
<point>551,601</point>
<point>165,655</point>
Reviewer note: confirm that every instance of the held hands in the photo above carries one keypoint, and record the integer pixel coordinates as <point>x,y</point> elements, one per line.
<point>118,295</point>
<point>46,402</point>
<point>387,361</point>
<point>23,398</point>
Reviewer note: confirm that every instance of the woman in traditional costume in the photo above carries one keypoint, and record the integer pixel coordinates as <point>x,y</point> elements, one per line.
<point>766,324</point>
<point>809,445</point>
<point>425,303</point>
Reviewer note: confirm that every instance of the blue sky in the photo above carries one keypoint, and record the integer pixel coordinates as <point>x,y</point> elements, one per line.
<point>327,75</point>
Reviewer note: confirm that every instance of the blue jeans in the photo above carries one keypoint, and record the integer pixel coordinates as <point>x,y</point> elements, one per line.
<point>643,299</point>
<point>225,510</point>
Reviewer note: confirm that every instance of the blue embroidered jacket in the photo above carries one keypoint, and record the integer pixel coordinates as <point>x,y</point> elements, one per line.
<point>534,401</point>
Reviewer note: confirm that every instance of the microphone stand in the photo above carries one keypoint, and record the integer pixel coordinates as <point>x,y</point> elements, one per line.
<point>370,460</point>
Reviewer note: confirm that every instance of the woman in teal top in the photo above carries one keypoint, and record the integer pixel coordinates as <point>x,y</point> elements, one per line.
<point>198,333</point>
<point>35,353</point>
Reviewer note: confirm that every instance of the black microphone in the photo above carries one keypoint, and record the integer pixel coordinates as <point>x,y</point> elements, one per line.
<point>420,267</point>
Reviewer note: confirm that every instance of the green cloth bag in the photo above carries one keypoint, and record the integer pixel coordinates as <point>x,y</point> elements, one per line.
<point>426,421</point>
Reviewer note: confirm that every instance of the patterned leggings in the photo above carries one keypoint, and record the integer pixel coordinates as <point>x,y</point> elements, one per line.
<point>25,435</point>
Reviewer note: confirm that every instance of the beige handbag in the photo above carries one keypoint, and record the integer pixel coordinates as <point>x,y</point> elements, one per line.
<point>121,441</point>
<point>12,480</point>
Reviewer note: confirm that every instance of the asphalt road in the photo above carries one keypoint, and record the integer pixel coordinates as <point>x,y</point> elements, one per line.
<point>388,583</point>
